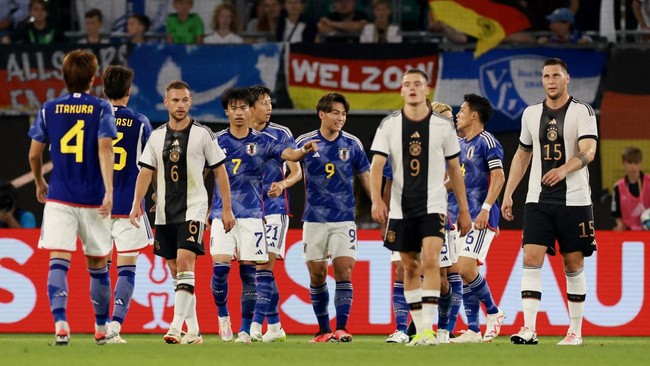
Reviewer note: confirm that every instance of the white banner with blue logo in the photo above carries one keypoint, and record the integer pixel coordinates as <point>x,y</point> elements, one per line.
<point>511,79</point>
<point>209,70</point>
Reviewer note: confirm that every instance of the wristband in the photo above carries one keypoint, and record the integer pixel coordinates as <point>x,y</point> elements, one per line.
<point>486,206</point>
<point>304,149</point>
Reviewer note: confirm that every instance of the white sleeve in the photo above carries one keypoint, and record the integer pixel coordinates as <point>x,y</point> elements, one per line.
<point>213,153</point>
<point>381,144</point>
<point>148,157</point>
<point>451,146</point>
<point>525,137</point>
<point>587,127</point>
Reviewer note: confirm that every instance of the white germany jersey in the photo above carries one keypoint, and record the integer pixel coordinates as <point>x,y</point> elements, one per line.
<point>179,158</point>
<point>553,135</point>
<point>418,151</point>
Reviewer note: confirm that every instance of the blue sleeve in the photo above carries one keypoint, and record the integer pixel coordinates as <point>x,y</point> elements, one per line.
<point>146,129</point>
<point>276,147</point>
<point>361,163</point>
<point>107,126</point>
<point>38,131</point>
<point>388,170</point>
<point>495,152</point>
<point>27,220</point>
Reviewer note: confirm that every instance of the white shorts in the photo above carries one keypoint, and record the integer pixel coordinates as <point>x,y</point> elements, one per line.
<point>246,241</point>
<point>322,240</point>
<point>449,251</point>
<point>476,244</point>
<point>276,233</point>
<point>63,223</point>
<point>129,238</point>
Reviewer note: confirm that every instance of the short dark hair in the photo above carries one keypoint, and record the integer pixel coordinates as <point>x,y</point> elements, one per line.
<point>480,105</point>
<point>326,101</point>
<point>117,81</point>
<point>177,84</point>
<point>632,154</point>
<point>233,94</point>
<point>417,71</point>
<point>79,68</point>
<point>94,13</point>
<point>142,19</point>
<point>259,90</point>
<point>556,61</point>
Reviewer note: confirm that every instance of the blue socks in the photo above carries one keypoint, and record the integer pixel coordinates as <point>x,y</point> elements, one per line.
<point>219,287</point>
<point>456,284</point>
<point>100,293</point>
<point>400,307</point>
<point>320,299</point>
<point>123,292</point>
<point>481,289</point>
<point>444,305</point>
<point>264,286</point>
<point>472,307</point>
<point>273,314</point>
<point>343,302</point>
<point>248,296</point>
<point>57,287</point>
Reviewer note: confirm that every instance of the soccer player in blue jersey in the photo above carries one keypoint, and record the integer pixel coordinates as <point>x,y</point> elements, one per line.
<point>79,128</point>
<point>329,230</point>
<point>247,152</point>
<point>178,152</point>
<point>481,160</point>
<point>418,142</point>
<point>133,130</point>
<point>276,214</point>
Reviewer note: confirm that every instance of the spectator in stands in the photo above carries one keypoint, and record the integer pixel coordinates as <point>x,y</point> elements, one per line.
<point>93,19</point>
<point>39,30</point>
<point>345,19</point>
<point>631,193</point>
<point>184,27</point>
<point>641,9</point>
<point>12,12</point>
<point>294,26</point>
<point>381,31</point>
<point>562,30</point>
<point>266,23</point>
<point>226,23</point>
<point>137,25</point>
<point>11,216</point>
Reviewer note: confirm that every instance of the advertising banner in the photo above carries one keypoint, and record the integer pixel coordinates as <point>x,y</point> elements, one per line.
<point>512,79</point>
<point>369,75</point>
<point>209,70</point>
<point>616,303</point>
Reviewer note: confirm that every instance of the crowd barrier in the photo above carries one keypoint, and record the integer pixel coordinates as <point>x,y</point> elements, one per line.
<point>616,302</point>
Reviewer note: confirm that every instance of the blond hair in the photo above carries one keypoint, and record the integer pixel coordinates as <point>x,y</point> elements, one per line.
<point>440,107</point>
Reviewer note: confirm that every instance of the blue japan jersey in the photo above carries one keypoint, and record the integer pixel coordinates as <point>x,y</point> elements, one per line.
<point>245,163</point>
<point>274,171</point>
<point>478,157</point>
<point>133,131</point>
<point>72,125</point>
<point>329,175</point>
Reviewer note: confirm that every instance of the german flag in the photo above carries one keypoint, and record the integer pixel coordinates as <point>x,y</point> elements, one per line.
<point>489,21</point>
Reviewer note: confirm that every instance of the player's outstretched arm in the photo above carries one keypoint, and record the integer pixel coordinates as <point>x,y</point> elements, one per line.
<point>106,162</point>
<point>223,184</point>
<point>295,175</point>
<point>518,167</point>
<point>297,154</point>
<point>379,209</point>
<point>141,187</point>
<point>458,186</point>
<point>36,164</point>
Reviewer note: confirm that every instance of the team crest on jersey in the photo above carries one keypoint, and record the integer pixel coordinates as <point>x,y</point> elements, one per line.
<point>390,236</point>
<point>344,153</point>
<point>175,155</point>
<point>470,153</point>
<point>415,148</point>
<point>251,148</point>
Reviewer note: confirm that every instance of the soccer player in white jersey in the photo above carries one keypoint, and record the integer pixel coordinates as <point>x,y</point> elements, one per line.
<point>418,143</point>
<point>276,213</point>
<point>560,136</point>
<point>177,152</point>
<point>481,160</point>
<point>248,151</point>
<point>133,131</point>
<point>329,230</point>
<point>79,129</point>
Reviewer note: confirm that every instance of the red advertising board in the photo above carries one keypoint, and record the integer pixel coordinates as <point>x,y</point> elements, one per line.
<point>616,279</point>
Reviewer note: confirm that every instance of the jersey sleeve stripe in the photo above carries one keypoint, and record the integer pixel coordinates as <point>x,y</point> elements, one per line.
<point>524,145</point>
<point>588,137</point>
<point>452,156</point>
<point>379,153</point>
<point>495,164</point>
<point>214,166</point>
<point>281,128</point>
<point>489,139</point>
<point>144,165</point>
<point>590,110</point>
<point>306,136</point>
<point>345,134</point>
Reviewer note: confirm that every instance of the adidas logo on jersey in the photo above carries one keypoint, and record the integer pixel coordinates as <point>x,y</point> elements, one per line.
<point>553,122</point>
<point>415,135</point>
<point>444,259</point>
<point>316,155</point>
<point>119,302</point>
<point>191,238</point>
<point>353,248</point>
<point>175,143</point>
<point>259,252</point>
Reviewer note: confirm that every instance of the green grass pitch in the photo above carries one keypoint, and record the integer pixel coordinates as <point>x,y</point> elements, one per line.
<point>37,349</point>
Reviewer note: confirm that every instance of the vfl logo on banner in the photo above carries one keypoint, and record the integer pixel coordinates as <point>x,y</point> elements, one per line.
<point>512,83</point>
<point>344,153</point>
<point>251,148</point>
<point>154,288</point>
